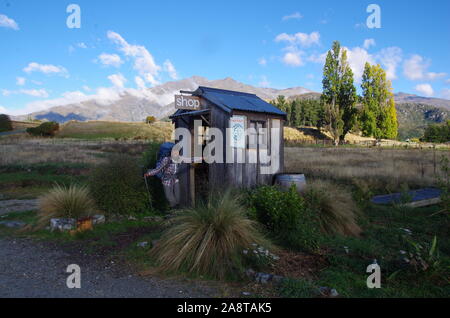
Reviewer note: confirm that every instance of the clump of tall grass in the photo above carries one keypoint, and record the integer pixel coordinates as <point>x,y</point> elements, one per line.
<point>209,239</point>
<point>336,210</point>
<point>74,201</point>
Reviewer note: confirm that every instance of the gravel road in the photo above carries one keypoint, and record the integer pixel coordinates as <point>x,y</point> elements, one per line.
<point>9,206</point>
<point>33,269</point>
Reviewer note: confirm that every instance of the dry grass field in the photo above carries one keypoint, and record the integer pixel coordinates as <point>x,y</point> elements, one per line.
<point>39,150</point>
<point>158,131</point>
<point>304,136</point>
<point>379,168</point>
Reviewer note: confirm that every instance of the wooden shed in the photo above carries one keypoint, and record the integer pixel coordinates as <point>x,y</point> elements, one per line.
<point>242,164</point>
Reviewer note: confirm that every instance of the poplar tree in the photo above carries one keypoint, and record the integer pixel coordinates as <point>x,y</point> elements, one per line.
<point>339,93</point>
<point>379,116</point>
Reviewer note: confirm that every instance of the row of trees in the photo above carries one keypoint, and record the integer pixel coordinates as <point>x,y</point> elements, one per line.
<point>302,112</point>
<point>340,110</point>
<point>437,132</point>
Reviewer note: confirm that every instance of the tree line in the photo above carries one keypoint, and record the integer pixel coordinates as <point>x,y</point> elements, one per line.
<point>437,133</point>
<point>340,110</point>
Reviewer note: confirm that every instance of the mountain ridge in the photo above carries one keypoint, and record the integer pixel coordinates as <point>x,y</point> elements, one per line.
<point>132,105</point>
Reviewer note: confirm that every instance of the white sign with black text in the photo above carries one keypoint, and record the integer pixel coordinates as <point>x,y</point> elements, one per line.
<point>187,102</point>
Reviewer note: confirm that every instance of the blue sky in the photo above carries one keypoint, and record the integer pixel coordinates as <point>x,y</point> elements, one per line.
<point>127,45</point>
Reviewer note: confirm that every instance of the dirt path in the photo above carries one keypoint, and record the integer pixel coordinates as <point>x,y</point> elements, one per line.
<point>33,269</point>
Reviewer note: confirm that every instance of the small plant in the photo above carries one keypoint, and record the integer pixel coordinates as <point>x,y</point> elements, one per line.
<point>335,208</point>
<point>258,257</point>
<point>284,213</point>
<point>421,257</point>
<point>209,239</point>
<point>298,288</point>
<point>118,186</point>
<point>5,123</point>
<point>74,201</point>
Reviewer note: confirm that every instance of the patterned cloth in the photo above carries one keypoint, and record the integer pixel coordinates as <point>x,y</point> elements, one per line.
<point>169,170</point>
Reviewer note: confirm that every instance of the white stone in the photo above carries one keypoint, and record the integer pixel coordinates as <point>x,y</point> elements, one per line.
<point>62,224</point>
<point>98,219</point>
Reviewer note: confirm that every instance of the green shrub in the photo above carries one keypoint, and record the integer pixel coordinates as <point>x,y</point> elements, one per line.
<point>335,208</point>
<point>437,132</point>
<point>149,159</point>
<point>5,123</point>
<point>284,213</point>
<point>65,202</point>
<point>118,186</point>
<point>209,239</point>
<point>298,288</point>
<point>47,129</point>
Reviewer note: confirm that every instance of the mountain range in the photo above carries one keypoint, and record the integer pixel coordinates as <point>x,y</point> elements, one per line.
<point>414,112</point>
<point>136,105</point>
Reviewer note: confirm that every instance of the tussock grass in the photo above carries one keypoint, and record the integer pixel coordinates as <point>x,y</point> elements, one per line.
<point>335,208</point>
<point>209,239</point>
<point>73,201</point>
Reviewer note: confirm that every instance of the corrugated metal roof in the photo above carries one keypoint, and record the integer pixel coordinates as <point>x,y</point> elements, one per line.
<point>232,100</point>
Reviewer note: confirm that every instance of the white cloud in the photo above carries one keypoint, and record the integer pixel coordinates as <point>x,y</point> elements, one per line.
<point>425,89</point>
<point>45,68</point>
<point>445,93</point>
<point>415,68</point>
<point>301,39</point>
<point>390,58</point>
<point>169,68</point>
<point>318,58</point>
<point>264,81</point>
<point>368,43</point>
<point>357,58</point>
<point>262,61</point>
<point>140,83</point>
<point>3,110</point>
<point>144,62</point>
<point>110,59</point>
<point>20,81</point>
<point>8,22</point>
<point>295,15</point>
<point>82,45</point>
<point>41,93</point>
<point>292,59</point>
<point>433,76</point>
<point>448,81</point>
<point>118,80</point>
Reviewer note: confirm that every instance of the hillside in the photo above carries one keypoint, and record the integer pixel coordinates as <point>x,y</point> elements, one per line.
<point>413,118</point>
